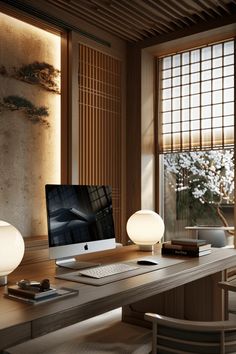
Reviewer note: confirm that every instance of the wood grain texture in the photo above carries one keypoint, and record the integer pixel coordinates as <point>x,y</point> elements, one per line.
<point>92,301</point>
<point>99,124</point>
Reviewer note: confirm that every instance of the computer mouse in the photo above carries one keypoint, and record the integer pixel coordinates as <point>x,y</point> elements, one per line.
<point>147,261</point>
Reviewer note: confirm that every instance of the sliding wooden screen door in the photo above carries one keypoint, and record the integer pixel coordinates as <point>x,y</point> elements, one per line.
<point>99,124</point>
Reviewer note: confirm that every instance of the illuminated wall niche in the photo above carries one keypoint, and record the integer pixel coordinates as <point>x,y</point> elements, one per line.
<point>30,122</point>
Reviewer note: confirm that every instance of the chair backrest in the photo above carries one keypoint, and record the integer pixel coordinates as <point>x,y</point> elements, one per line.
<point>176,336</point>
<point>216,238</point>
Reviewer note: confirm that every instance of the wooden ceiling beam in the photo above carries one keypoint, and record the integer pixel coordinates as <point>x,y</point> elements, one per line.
<point>119,17</point>
<point>165,9</point>
<point>144,15</point>
<point>169,21</point>
<point>97,22</point>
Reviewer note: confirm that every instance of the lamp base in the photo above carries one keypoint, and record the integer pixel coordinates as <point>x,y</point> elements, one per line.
<point>147,248</point>
<point>3,280</point>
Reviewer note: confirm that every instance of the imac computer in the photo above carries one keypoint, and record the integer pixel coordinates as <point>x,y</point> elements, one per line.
<point>80,221</point>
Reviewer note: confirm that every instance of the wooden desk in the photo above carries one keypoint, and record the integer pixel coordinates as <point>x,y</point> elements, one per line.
<point>190,289</point>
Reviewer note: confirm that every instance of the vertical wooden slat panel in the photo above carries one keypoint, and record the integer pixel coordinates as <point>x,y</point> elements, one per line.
<point>100,124</point>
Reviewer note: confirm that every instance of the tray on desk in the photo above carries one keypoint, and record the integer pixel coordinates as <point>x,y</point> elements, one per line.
<point>59,294</point>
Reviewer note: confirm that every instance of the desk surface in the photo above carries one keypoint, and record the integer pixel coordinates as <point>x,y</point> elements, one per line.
<point>22,321</point>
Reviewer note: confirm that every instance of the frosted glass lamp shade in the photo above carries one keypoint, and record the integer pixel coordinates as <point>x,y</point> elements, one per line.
<point>145,228</point>
<point>11,250</point>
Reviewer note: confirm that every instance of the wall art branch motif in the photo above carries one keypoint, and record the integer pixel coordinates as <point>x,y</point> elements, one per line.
<point>33,113</point>
<point>36,73</point>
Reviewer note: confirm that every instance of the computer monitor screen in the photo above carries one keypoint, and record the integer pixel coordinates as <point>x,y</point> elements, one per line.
<point>80,220</point>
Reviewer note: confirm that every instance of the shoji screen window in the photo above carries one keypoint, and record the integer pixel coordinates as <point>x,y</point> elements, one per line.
<point>196,138</point>
<point>197,99</point>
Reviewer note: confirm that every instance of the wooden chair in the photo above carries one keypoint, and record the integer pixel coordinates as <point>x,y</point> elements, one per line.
<point>175,336</point>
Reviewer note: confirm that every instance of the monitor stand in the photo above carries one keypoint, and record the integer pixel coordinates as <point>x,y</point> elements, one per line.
<point>72,263</point>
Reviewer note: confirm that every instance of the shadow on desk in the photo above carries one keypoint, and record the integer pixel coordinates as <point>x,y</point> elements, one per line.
<point>101,334</point>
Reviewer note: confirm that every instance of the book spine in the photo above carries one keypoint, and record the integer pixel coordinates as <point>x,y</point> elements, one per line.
<point>179,252</point>
<point>186,247</point>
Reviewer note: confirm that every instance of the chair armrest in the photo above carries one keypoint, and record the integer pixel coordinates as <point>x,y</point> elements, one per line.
<point>205,326</point>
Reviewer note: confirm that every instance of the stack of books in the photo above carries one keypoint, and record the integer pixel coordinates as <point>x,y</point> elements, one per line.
<point>34,296</point>
<point>186,247</point>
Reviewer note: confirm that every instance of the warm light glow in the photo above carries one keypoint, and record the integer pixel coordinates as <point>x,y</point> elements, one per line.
<point>34,158</point>
<point>145,227</point>
<point>11,248</point>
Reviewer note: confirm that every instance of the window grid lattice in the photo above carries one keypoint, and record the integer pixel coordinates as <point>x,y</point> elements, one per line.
<point>197,99</point>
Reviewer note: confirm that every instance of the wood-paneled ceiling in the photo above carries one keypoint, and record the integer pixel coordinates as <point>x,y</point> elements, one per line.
<point>136,20</point>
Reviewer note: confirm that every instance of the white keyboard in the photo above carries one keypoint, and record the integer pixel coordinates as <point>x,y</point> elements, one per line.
<point>107,270</point>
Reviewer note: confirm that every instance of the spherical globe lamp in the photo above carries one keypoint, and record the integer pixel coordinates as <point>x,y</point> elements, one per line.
<point>11,250</point>
<point>145,228</point>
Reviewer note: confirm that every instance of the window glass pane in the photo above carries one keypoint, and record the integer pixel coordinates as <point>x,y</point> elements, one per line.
<point>176,81</point>
<point>167,140</point>
<point>176,139</point>
<point>176,103</point>
<point>166,117</point>
<point>216,73</point>
<point>228,95</point>
<point>166,105</point>
<point>166,128</point>
<point>228,108</point>
<point>185,90</point>
<point>217,122</point>
<point>229,60</point>
<point>195,55</point>
<point>228,48</point>
<point>195,77</point>
<point>176,71</point>
<point>206,112</point>
<point>185,114</point>
<point>195,67</point>
<point>185,69</point>
<point>217,136</point>
<point>217,50</point>
<point>195,113</point>
<point>185,102</point>
<point>229,70</point>
<point>176,60</point>
<point>217,62</point>
<point>195,88</point>
<point>206,75</point>
<point>166,93</point>
<point>206,98</point>
<point>229,121</point>
<point>166,83</point>
<point>185,79</point>
<point>166,62</point>
<point>176,127</point>
<point>195,100</point>
<point>217,97</point>
<point>206,86</point>
<point>206,123</point>
<point>185,58</point>
<point>185,126</point>
<point>206,53</point>
<point>192,185</point>
<point>206,65</point>
<point>176,91</point>
<point>176,116</point>
<point>217,110</point>
<point>217,84</point>
<point>166,74</point>
<point>228,82</point>
<point>228,135</point>
<point>195,124</point>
